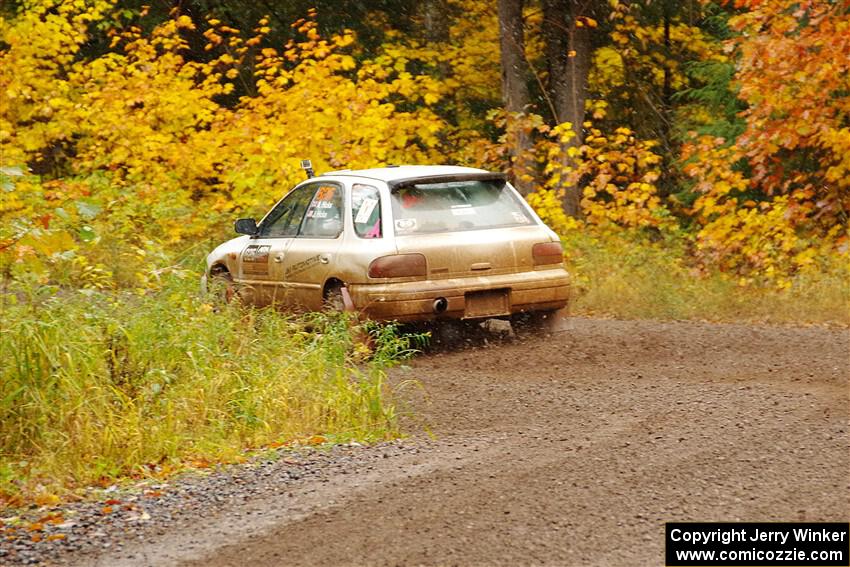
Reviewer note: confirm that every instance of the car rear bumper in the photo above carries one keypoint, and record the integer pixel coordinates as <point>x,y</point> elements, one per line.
<point>538,290</point>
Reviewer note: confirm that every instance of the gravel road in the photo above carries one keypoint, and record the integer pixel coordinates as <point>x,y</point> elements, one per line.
<point>573,449</point>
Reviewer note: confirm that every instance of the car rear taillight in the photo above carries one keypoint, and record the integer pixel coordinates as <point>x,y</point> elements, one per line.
<point>547,253</point>
<point>398,266</point>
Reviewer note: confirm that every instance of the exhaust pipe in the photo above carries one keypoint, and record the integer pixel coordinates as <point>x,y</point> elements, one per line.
<point>440,305</point>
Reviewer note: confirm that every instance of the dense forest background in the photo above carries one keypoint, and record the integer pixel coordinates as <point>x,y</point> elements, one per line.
<point>129,131</point>
<point>692,155</point>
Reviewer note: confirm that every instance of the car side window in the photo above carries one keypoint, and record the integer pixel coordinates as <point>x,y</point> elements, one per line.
<point>323,218</point>
<point>366,210</point>
<point>285,218</point>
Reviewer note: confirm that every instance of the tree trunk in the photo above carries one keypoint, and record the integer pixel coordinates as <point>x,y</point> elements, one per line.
<point>568,51</point>
<point>515,86</point>
<point>436,20</point>
<point>556,17</point>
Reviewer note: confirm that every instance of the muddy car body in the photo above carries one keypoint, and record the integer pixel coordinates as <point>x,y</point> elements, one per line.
<point>406,243</point>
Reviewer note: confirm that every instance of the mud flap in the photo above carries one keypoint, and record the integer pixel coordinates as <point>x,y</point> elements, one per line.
<point>540,322</point>
<point>364,342</point>
<point>559,321</point>
<point>346,300</point>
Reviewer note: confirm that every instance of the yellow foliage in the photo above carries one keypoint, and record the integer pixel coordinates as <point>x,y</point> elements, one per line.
<point>638,47</point>
<point>466,67</point>
<point>621,172</point>
<point>547,205</point>
<point>139,144</point>
<point>616,173</point>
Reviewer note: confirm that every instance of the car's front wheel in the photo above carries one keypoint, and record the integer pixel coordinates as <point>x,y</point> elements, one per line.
<point>221,285</point>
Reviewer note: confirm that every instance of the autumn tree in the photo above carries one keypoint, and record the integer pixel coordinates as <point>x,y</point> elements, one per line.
<point>130,128</point>
<point>136,147</point>
<point>794,75</point>
<point>655,55</point>
<point>774,200</point>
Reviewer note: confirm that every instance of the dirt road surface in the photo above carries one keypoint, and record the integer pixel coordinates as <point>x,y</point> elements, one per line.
<point>569,450</point>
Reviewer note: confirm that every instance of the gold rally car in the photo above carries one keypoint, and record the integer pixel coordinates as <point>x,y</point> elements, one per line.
<point>402,243</point>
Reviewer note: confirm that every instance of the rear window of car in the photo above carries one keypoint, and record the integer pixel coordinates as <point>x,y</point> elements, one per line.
<point>456,206</point>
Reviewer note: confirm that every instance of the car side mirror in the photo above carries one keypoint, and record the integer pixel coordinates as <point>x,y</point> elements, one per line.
<point>246,226</point>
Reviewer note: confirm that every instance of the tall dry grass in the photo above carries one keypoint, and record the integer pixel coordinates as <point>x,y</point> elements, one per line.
<point>630,276</point>
<point>98,385</point>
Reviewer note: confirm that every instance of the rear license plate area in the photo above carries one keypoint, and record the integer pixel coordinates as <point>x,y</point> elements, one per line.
<point>489,303</point>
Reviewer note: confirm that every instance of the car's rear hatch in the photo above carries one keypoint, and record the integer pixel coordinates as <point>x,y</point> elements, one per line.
<point>475,253</point>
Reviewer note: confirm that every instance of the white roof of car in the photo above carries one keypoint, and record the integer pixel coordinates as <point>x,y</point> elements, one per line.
<point>394,172</point>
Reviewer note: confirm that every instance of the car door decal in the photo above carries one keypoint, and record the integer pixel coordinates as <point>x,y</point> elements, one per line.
<point>255,260</point>
<point>303,265</point>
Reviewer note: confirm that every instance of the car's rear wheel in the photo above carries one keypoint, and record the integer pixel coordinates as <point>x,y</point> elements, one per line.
<point>333,298</point>
<point>454,333</point>
<point>534,322</point>
<point>334,302</point>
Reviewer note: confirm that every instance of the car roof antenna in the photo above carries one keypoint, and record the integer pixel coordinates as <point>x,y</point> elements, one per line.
<point>307,166</point>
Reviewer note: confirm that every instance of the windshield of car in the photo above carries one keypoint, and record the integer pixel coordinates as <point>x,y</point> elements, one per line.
<point>456,206</point>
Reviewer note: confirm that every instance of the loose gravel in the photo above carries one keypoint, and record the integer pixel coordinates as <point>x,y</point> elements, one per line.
<point>571,449</point>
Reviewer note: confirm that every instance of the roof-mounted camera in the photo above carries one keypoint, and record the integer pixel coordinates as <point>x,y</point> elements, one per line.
<point>307,166</point>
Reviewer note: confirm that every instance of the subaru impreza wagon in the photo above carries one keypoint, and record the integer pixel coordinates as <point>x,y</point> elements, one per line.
<point>402,243</point>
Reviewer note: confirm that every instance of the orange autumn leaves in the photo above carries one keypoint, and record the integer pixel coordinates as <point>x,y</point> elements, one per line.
<point>775,201</point>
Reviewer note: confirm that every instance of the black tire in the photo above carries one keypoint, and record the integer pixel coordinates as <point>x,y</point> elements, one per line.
<point>533,322</point>
<point>454,333</point>
<point>221,286</point>
<point>333,300</point>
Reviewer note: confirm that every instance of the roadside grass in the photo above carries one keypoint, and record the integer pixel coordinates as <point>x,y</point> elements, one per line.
<point>99,385</point>
<point>628,276</point>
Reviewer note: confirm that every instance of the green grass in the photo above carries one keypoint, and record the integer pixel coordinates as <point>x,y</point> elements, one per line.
<point>101,385</point>
<point>626,276</point>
